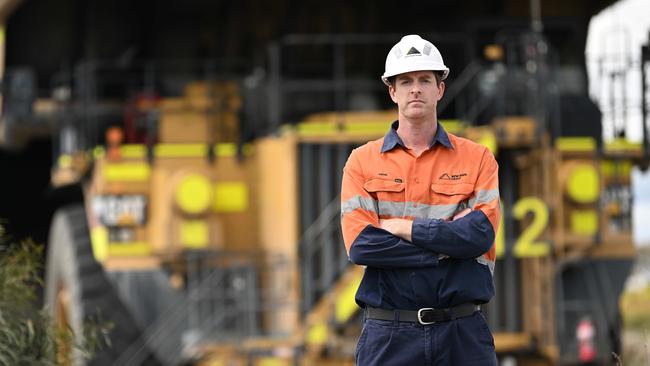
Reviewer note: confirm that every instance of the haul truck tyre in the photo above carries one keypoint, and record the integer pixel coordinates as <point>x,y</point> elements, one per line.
<point>77,289</point>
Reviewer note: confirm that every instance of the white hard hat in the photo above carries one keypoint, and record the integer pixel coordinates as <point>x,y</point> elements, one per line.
<point>412,53</point>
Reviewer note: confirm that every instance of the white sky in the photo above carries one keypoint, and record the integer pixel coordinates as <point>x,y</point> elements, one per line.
<point>613,52</point>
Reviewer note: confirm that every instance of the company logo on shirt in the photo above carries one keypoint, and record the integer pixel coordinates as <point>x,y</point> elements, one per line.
<point>446,176</point>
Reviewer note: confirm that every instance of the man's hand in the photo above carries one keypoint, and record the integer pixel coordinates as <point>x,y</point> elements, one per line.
<point>403,227</point>
<point>461,214</point>
<point>398,227</point>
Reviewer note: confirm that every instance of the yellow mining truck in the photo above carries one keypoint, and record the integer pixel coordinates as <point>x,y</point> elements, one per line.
<point>166,248</point>
<point>199,250</point>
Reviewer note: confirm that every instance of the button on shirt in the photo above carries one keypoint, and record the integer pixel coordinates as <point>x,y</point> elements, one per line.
<point>448,262</point>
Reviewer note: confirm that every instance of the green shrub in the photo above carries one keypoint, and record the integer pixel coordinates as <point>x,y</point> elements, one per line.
<point>28,335</point>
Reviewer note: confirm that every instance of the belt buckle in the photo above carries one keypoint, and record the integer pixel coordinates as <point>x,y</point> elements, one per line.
<point>420,316</point>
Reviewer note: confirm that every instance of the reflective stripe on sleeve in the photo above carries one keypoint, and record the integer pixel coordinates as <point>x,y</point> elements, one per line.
<point>358,201</point>
<point>399,209</point>
<point>484,196</point>
<point>483,260</point>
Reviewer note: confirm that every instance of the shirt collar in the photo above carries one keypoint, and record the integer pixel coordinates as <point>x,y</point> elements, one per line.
<point>392,139</point>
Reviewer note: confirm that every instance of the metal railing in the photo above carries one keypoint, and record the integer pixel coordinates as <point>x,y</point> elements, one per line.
<point>228,296</point>
<point>322,252</point>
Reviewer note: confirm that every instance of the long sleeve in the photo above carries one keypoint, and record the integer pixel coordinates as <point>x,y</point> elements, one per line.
<point>365,243</point>
<point>472,235</point>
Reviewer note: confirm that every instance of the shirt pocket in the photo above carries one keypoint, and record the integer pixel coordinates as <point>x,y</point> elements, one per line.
<point>452,194</point>
<point>388,196</point>
<point>450,198</point>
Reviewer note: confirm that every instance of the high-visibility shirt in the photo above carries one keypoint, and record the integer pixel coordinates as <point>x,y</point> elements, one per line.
<point>448,262</point>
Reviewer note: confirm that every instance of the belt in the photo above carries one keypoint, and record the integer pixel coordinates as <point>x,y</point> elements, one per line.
<point>423,316</point>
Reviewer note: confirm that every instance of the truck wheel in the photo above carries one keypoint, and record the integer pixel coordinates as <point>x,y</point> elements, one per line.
<point>77,290</point>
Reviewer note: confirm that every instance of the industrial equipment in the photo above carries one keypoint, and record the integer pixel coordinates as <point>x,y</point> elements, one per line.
<point>201,249</point>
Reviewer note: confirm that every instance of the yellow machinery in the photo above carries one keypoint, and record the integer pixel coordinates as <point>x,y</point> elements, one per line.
<point>200,250</point>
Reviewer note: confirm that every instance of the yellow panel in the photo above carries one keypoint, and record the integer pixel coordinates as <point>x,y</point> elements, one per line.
<point>619,168</point>
<point>582,143</point>
<point>317,334</point>
<point>134,151</point>
<point>230,197</point>
<point>345,306</point>
<point>317,128</point>
<point>126,172</point>
<point>353,117</point>
<point>225,150</point>
<point>584,222</point>
<point>452,125</point>
<point>621,144</point>
<point>194,234</point>
<point>99,240</point>
<point>194,194</point>
<point>128,249</point>
<point>377,128</point>
<point>500,241</point>
<point>181,150</point>
<point>583,185</point>
<point>272,361</point>
<point>489,140</point>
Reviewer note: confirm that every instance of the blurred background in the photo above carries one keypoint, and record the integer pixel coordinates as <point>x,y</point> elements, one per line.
<point>180,166</point>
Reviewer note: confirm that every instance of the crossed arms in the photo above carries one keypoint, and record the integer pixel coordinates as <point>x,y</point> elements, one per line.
<point>375,241</point>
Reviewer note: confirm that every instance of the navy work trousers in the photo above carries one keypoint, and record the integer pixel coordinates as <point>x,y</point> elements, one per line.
<point>459,342</point>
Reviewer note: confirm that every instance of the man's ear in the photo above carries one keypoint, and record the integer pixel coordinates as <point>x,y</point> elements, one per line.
<point>391,92</point>
<point>441,88</point>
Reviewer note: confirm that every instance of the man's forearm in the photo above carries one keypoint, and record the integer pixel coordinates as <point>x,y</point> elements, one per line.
<point>403,228</point>
<point>467,237</point>
<point>376,247</point>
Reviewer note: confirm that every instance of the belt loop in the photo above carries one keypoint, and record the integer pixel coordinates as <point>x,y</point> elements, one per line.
<point>395,318</point>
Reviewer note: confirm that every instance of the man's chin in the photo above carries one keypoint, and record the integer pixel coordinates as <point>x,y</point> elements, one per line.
<point>417,114</point>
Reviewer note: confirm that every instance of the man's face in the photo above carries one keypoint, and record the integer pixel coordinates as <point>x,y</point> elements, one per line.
<point>416,94</point>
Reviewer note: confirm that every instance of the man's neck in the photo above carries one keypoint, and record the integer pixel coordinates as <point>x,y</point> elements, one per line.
<point>417,135</point>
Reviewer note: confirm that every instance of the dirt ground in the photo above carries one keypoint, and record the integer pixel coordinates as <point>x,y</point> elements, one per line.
<point>636,348</point>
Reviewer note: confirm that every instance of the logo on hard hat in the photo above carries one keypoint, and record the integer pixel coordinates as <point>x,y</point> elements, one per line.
<point>413,51</point>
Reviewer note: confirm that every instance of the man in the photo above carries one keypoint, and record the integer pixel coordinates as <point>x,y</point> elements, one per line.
<point>420,209</point>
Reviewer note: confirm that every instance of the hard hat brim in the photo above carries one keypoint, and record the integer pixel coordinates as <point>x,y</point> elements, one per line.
<point>444,71</point>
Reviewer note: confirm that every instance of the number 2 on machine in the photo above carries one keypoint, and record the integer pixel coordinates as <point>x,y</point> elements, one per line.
<point>526,244</point>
